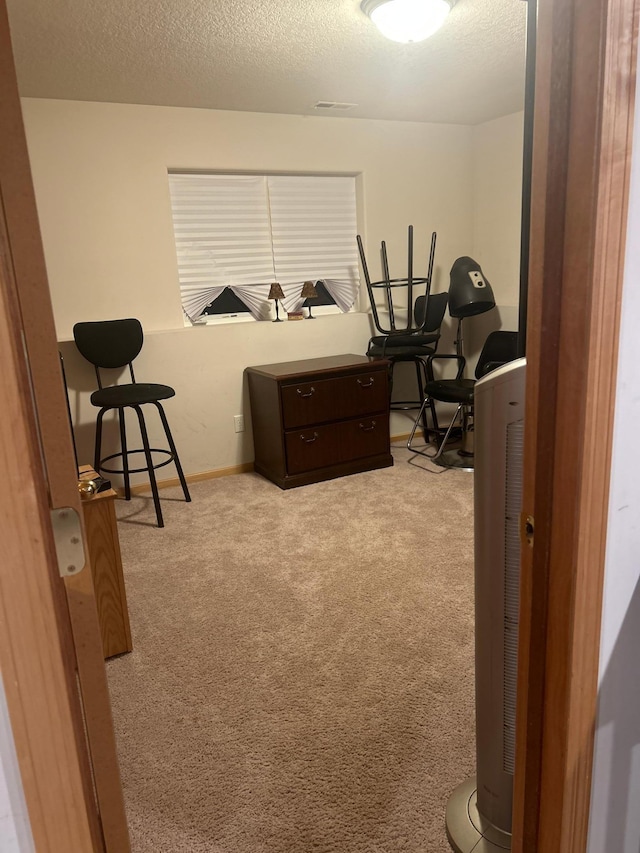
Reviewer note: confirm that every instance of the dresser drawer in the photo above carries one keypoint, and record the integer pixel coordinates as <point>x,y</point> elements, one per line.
<point>367,436</point>
<point>315,447</point>
<point>333,399</point>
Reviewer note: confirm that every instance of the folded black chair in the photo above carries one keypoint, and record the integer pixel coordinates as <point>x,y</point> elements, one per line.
<point>499,348</point>
<point>113,344</point>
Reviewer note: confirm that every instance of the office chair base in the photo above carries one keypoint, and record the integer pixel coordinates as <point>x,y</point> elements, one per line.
<point>440,439</point>
<point>460,458</point>
<point>454,459</point>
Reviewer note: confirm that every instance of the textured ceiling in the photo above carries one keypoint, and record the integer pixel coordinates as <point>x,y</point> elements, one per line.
<point>271,56</point>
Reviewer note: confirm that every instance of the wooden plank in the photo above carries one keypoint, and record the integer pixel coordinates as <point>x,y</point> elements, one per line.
<point>545,260</point>
<point>38,676</point>
<point>35,318</point>
<point>106,568</point>
<point>614,122</point>
<point>585,89</point>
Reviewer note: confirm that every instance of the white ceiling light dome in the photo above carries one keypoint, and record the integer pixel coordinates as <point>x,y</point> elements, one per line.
<point>407,20</point>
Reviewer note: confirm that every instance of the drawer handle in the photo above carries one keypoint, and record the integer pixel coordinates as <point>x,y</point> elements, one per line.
<point>312,391</point>
<point>309,440</point>
<point>369,428</point>
<point>366,384</point>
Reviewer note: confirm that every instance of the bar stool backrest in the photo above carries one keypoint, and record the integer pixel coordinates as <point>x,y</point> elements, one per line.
<point>109,343</point>
<point>397,294</point>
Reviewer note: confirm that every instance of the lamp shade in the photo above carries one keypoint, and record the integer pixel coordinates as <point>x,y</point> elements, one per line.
<point>469,291</point>
<point>275,291</point>
<point>407,20</point>
<point>309,290</point>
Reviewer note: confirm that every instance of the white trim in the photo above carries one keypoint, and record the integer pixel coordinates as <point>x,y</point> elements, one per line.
<point>320,311</point>
<point>15,828</point>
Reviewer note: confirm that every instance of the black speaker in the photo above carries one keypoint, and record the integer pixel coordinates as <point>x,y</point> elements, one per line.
<point>469,291</point>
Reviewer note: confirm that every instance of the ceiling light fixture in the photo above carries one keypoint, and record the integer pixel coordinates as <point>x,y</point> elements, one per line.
<point>407,20</point>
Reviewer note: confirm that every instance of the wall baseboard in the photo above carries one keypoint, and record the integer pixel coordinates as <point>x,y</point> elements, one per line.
<point>190,478</point>
<point>210,475</point>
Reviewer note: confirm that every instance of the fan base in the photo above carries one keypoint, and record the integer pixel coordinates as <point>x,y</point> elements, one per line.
<point>467,830</point>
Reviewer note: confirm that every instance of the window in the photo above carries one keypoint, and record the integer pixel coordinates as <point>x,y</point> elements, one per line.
<point>226,305</point>
<point>236,234</point>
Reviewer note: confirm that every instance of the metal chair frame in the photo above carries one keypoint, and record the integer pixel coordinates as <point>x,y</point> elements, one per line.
<point>464,409</point>
<point>394,329</point>
<point>124,453</point>
<point>388,284</point>
<point>430,401</point>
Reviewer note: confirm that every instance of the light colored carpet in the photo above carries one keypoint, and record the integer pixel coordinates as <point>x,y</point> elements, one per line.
<point>302,673</point>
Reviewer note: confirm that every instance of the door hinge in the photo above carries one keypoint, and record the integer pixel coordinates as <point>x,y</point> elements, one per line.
<point>527,528</point>
<point>67,533</point>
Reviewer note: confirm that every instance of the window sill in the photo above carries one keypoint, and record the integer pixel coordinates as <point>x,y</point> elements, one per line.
<point>227,319</point>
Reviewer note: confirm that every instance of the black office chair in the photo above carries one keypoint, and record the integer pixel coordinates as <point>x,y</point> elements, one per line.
<point>499,348</point>
<point>405,334</point>
<point>113,344</point>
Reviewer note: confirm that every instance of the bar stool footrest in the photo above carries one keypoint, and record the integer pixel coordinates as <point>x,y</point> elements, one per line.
<point>144,470</point>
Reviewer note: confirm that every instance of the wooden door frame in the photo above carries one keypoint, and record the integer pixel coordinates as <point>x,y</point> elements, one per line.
<point>585,93</point>
<point>38,678</point>
<point>24,289</point>
<point>585,79</point>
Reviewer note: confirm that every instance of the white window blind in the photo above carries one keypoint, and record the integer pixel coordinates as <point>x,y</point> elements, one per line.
<point>246,231</point>
<point>313,227</point>
<point>223,239</point>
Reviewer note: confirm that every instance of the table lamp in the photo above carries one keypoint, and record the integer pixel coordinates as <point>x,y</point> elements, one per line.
<point>275,292</point>
<point>309,292</point>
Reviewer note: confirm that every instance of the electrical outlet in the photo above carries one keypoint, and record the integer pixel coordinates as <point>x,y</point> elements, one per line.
<point>238,422</point>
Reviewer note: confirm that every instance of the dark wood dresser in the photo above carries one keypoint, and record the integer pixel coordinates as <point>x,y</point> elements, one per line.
<point>319,418</point>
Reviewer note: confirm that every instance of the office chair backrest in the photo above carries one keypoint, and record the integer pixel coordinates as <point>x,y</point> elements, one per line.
<point>436,306</point>
<point>499,348</point>
<point>109,343</point>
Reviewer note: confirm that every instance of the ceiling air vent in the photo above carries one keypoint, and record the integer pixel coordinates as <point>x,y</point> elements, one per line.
<point>333,105</point>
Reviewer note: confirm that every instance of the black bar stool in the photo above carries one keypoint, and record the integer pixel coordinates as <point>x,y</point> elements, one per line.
<point>112,344</point>
<point>408,323</point>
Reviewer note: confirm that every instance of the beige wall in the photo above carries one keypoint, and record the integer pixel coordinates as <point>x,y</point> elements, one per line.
<point>100,174</point>
<point>497,198</point>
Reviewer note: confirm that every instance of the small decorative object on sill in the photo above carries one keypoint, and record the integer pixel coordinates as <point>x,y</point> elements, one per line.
<point>295,315</point>
<point>309,292</point>
<point>276,293</point>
